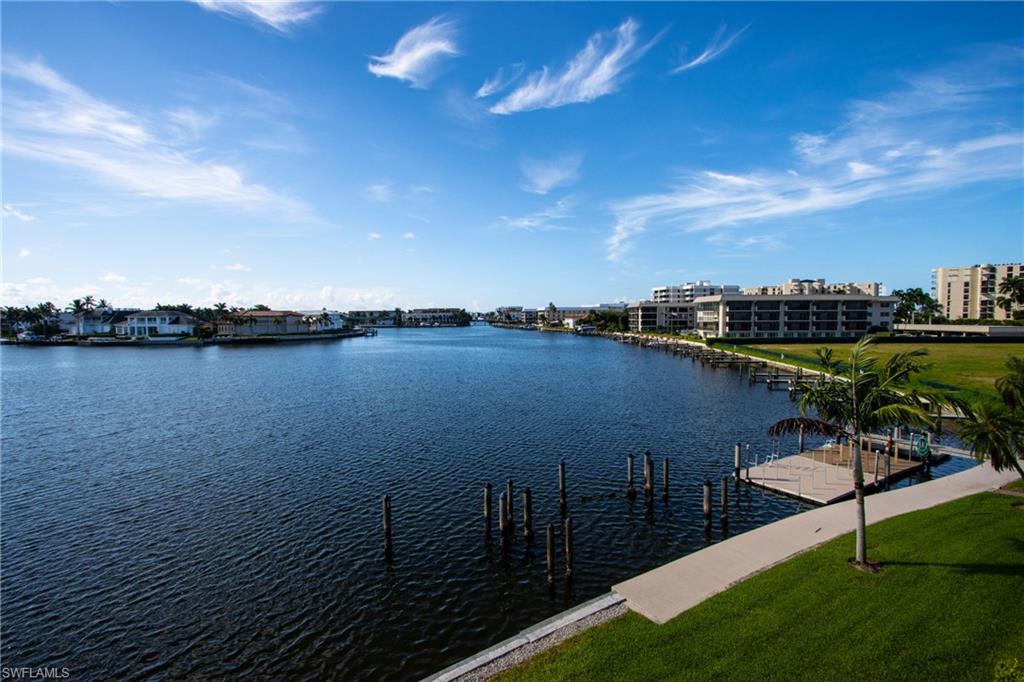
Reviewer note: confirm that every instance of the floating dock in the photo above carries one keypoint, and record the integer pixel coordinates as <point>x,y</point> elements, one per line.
<point>825,475</point>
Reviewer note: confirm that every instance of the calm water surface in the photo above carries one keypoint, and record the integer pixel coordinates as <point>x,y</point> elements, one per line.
<point>215,511</point>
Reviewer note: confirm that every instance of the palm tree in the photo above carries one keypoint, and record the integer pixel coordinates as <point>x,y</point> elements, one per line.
<point>220,308</point>
<point>868,396</point>
<point>79,307</point>
<point>44,312</point>
<point>995,431</point>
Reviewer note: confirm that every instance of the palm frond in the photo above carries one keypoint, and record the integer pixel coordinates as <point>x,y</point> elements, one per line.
<point>809,425</point>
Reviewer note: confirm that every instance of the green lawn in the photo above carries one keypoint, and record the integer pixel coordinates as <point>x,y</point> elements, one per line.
<point>1015,485</point>
<point>948,605</point>
<point>971,367</point>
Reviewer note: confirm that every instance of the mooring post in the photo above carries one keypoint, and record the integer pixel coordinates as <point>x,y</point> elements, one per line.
<point>387,527</point>
<point>568,547</point>
<point>888,462</point>
<point>664,478</point>
<point>487,509</point>
<point>800,440</point>
<point>551,553</point>
<point>503,516</point>
<point>509,511</point>
<point>630,490</point>
<point>707,498</point>
<point>876,468</point>
<point>648,474</point>
<point>527,514</point>
<point>725,499</point>
<point>561,487</point>
<point>736,462</point>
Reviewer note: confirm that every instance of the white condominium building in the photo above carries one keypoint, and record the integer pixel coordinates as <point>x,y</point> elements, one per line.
<point>686,293</point>
<point>970,292</point>
<point>807,287</point>
<point>771,316</point>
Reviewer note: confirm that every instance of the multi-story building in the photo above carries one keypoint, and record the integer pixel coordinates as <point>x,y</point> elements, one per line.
<point>327,320</point>
<point>649,316</point>
<point>376,318</point>
<point>808,287</point>
<point>686,293</point>
<point>509,313</point>
<point>263,322</point>
<point>156,323</point>
<point>970,292</point>
<point>782,316</point>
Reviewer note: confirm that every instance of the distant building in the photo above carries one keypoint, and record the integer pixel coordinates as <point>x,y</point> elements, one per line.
<point>686,293</point>
<point>263,322</point>
<point>786,316</point>
<point>970,292</point>
<point>649,316</point>
<point>569,316</point>
<point>509,313</point>
<point>327,320</point>
<point>376,318</point>
<point>808,287</point>
<point>156,323</point>
<point>435,317</point>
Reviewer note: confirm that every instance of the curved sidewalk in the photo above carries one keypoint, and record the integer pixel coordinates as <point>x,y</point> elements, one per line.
<point>667,591</point>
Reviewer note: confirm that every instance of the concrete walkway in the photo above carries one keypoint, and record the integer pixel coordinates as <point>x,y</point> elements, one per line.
<point>667,591</point>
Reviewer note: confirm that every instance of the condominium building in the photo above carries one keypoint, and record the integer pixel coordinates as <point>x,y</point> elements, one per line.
<point>686,293</point>
<point>649,316</point>
<point>435,317</point>
<point>376,318</point>
<point>970,292</point>
<point>792,315</point>
<point>808,287</point>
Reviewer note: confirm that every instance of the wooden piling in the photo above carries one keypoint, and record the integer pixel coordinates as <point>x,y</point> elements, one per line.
<point>648,474</point>
<point>725,499</point>
<point>568,547</point>
<point>487,509</point>
<point>551,553</point>
<point>503,516</point>
<point>800,440</point>
<point>387,527</point>
<point>664,478</point>
<point>736,461</point>
<point>510,513</point>
<point>707,498</point>
<point>527,514</point>
<point>630,490</point>
<point>561,487</point>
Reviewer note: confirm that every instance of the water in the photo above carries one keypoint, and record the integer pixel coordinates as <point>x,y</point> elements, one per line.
<point>216,511</point>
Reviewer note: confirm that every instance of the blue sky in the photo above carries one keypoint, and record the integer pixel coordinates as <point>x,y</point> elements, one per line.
<point>476,155</point>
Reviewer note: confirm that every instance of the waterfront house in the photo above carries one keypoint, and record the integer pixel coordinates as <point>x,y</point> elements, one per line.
<point>263,322</point>
<point>156,323</point>
<point>327,320</point>
<point>570,316</point>
<point>376,318</point>
<point>435,317</point>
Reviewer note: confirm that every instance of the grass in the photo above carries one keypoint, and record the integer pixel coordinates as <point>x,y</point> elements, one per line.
<point>949,604</point>
<point>1015,485</point>
<point>969,367</point>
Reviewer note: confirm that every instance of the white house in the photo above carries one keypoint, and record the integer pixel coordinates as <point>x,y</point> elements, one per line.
<point>156,323</point>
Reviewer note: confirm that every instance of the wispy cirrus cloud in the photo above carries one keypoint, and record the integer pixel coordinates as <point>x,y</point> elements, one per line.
<point>716,47</point>
<point>51,120</point>
<point>237,267</point>
<point>944,129</point>
<point>379,192</point>
<point>416,55</point>
<point>548,219</point>
<point>540,176</point>
<point>10,211</point>
<point>596,70</point>
<point>500,80</point>
<point>281,15</point>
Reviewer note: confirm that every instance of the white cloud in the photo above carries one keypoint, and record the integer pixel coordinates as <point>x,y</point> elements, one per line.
<point>542,175</point>
<point>113,277</point>
<point>48,119</point>
<point>373,235</point>
<point>415,56</point>
<point>24,253</point>
<point>595,71</point>
<point>379,192</point>
<point>189,281</point>
<point>238,267</point>
<point>548,219</point>
<point>715,48</point>
<point>189,123</point>
<point>281,15</point>
<point>409,235</point>
<point>500,80</point>
<point>9,211</point>
<point>935,134</point>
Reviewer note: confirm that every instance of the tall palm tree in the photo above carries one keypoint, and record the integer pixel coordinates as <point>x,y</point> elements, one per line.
<point>868,395</point>
<point>79,307</point>
<point>995,431</point>
<point>44,313</point>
